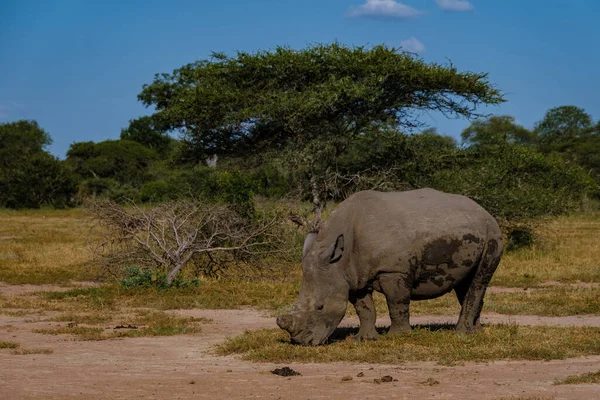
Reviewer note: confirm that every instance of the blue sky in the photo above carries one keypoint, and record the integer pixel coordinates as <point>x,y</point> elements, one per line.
<point>77,66</point>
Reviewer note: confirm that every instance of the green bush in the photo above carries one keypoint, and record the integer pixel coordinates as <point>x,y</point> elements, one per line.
<point>514,182</point>
<point>124,161</point>
<point>136,277</point>
<point>30,177</point>
<point>155,191</point>
<point>108,188</point>
<point>234,188</point>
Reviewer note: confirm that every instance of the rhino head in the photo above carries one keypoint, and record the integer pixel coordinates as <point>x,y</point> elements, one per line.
<point>323,298</point>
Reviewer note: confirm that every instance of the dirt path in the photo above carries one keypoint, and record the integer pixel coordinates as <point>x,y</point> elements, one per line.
<point>183,367</point>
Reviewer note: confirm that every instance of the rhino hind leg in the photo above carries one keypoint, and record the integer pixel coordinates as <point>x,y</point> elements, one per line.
<point>471,291</point>
<point>365,308</point>
<point>397,294</point>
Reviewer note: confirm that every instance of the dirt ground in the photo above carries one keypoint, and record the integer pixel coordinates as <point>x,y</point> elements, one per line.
<point>183,367</point>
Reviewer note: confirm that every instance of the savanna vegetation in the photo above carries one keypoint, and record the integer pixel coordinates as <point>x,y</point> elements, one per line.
<point>205,202</point>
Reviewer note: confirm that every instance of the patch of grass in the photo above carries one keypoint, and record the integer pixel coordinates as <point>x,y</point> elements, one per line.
<point>210,294</point>
<point>90,319</point>
<point>552,301</point>
<point>8,345</point>
<point>44,246</point>
<point>95,298</point>
<point>23,352</point>
<point>18,313</point>
<point>147,323</point>
<point>592,377</point>
<point>28,304</point>
<point>426,343</point>
<point>546,302</point>
<point>82,332</point>
<point>162,324</point>
<point>231,294</point>
<point>567,252</point>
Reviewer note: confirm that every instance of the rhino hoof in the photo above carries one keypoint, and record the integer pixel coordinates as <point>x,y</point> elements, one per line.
<point>468,330</point>
<point>362,337</point>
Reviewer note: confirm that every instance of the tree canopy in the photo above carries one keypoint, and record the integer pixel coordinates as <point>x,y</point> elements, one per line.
<point>30,176</point>
<point>124,160</point>
<point>497,130</point>
<point>314,102</point>
<point>564,123</point>
<point>21,139</point>
<point>145,131</point>
<point>324,90</point>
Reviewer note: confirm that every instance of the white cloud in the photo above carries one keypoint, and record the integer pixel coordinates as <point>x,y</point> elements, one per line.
<point>384,8</point>
<point>413,45</point>
<point>455,5</point>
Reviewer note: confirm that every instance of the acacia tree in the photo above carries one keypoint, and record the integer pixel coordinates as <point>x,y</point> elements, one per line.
<point>309,105</point>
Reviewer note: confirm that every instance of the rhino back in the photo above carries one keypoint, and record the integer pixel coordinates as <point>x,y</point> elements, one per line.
<point>435,238</point>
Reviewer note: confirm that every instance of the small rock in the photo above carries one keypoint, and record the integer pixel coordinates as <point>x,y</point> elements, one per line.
<point>229,370</point>
<point>192,382</point>
<point>346,378</point>
<point>360,375</point>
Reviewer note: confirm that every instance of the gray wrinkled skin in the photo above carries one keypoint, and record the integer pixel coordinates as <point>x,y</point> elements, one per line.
<point>412,245</point>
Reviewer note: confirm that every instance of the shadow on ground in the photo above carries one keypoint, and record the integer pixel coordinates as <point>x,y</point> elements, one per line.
<point>341,334</point>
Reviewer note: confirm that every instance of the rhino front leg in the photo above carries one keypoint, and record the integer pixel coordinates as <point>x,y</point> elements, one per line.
<point>365,308</point>
<point>397,294</point>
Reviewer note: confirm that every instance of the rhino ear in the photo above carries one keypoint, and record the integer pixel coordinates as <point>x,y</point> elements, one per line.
<point>337,249</point>
<point>308,241</point>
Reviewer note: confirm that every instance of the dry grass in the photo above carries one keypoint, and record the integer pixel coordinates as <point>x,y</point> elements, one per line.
<point>211,294</point>
<point>143,323</point>
<point>551,301</point>
<point>90,305</point>
<point>589,378</point>
<point>556,302</point>
<point>568,251</point>
<point>51,247</point>
<point>44,246</point>
<point>23,352</point>
<point>18,350</point>
<point>90,319</point>
<point>428,343</point>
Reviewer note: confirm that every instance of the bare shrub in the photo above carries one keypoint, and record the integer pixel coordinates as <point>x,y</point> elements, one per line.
<point>173,234</point>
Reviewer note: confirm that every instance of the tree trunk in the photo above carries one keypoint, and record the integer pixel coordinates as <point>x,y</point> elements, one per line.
<point>173,272</point>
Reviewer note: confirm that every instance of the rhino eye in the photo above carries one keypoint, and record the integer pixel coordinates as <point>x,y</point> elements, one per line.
<point>320,307</point>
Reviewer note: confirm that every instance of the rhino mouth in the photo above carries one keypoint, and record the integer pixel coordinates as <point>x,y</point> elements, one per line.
<point>308,339</point>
